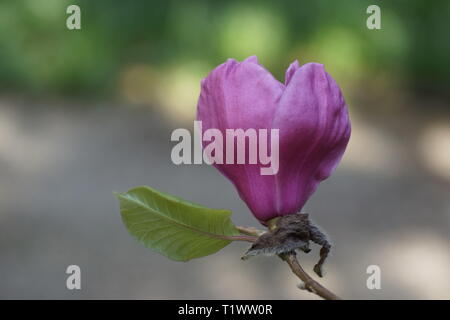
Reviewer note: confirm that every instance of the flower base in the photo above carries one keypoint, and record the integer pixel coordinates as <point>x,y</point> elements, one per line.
<point>289,233</point>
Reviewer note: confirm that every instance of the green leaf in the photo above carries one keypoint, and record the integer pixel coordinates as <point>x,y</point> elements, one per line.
<point>178,229</point>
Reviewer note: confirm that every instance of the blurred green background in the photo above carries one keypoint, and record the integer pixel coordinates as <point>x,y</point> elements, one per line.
<point>87,112</point>
<point>160,39</point>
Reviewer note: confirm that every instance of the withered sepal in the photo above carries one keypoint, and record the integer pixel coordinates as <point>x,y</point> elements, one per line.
<point>289,233</point>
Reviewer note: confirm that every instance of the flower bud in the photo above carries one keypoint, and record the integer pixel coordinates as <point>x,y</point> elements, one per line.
<point>313,125</point>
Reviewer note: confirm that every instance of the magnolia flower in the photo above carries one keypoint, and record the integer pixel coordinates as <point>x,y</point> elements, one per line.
<point>310,113</point>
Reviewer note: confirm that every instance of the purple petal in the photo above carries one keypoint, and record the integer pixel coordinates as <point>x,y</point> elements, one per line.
<point>290,72</point>
<point>312,118</point>
<point>314,132</point>
<point>242,95</point>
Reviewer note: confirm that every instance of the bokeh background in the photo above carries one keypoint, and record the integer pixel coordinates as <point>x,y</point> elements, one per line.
<point>87,112</point>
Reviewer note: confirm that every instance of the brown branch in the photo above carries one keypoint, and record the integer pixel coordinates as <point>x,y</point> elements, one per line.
<point>291,259</point>
<point>310,284</point>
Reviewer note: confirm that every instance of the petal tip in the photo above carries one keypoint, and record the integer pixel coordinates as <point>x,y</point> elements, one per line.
<point>314,65</point>
<point>252,59</point>
<point>293,67</point>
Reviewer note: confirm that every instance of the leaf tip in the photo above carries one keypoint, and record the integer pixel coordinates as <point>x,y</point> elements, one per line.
<point>118,194</point>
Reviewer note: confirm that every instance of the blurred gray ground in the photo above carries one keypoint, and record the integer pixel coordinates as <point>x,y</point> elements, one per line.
<point>59,167</point>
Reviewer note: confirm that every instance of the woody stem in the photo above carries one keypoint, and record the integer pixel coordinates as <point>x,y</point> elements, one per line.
<point>310,284</point>
<point>291,259</point>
